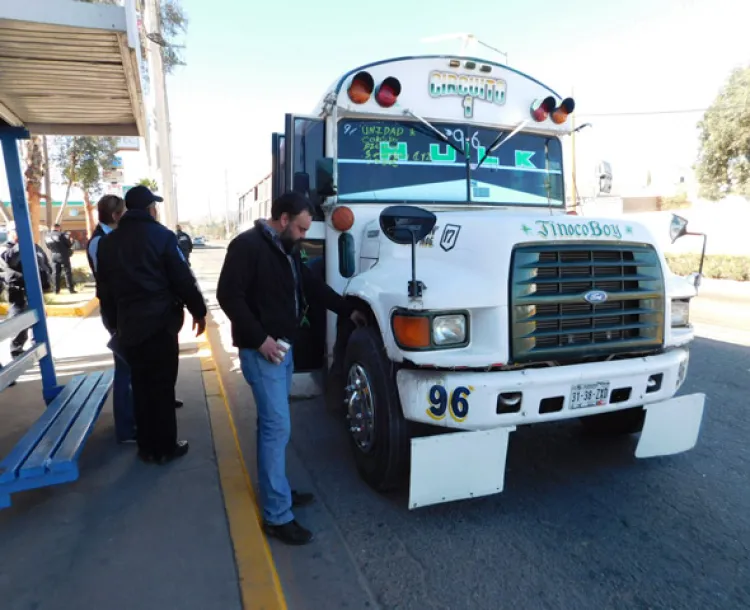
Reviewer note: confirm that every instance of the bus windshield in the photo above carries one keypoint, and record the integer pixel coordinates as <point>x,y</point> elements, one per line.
<point>405,162</point>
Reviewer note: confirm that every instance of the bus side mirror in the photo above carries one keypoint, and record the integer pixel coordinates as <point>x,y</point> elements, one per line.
<point>324,185</point>
<point>678,227</point>
<point>404,224</point>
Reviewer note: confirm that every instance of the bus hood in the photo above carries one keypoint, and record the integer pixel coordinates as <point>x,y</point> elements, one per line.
<point>465,261</point>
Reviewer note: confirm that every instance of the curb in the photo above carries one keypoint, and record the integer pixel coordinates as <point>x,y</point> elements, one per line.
<point>63,311</point>
<point>260,587</point>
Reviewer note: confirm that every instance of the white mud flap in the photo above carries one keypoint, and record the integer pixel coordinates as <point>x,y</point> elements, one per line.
<point>671,426</point>
<point>455,466</point>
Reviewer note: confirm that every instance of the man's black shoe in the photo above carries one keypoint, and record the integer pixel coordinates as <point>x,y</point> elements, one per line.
<point>178,403</point>
<point>302,498</point>
<point>289,533</point>
<point>180,449</point>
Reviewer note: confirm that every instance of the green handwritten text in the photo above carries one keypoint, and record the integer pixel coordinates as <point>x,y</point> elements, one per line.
<point>592,228</point>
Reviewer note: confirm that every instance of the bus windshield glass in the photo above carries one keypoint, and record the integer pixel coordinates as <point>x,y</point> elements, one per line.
<point>406,162</point>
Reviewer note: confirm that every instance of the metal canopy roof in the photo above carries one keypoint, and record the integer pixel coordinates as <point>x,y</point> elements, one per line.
<point>70,68</point>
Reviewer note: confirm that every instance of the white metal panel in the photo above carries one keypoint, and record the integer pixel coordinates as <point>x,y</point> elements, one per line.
<point>671,426</point>
<point>456,466</point>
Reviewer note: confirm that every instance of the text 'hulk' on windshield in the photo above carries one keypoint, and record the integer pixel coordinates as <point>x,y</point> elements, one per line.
<point>404,161</point>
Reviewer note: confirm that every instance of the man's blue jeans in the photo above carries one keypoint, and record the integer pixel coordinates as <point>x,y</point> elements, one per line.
<point>271,385</point>
<point>122,395</point>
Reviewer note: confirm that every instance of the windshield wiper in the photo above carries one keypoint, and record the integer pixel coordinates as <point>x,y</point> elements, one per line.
<point>500,140</point>
<point>466,152</point>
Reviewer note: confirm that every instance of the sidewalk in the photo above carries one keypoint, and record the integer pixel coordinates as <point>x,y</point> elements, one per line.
<point>127,534</point>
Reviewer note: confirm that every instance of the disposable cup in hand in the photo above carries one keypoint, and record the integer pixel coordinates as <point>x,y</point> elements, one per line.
<point>284,348</point>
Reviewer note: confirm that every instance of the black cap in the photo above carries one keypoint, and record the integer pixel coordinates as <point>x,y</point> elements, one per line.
<point>140,197</point>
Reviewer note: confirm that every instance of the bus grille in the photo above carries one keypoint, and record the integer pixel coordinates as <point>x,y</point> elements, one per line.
<point>551,320</point>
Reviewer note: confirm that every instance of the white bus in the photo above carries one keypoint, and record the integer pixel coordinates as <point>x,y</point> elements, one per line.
<point>440,207</point>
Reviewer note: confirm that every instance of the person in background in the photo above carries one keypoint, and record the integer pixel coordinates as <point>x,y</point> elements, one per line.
<point>264,289</point>
<point>61,247</point>
<point>144,284</point>
<point>184,242</point>
<point>110,209</point>
<point>16,285</point>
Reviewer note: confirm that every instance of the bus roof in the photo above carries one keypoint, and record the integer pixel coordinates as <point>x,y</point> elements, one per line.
<point>447,87</point>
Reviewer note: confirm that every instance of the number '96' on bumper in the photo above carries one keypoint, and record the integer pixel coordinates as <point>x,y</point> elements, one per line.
<point>469,400</point>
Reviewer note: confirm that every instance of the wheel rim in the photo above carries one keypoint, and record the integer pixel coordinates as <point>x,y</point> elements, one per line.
<point>360,408</point>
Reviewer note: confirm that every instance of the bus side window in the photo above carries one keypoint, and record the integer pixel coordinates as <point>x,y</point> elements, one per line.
<point>305,145</point>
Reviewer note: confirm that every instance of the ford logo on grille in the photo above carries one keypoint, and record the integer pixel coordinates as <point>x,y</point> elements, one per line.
<point>595,296</point>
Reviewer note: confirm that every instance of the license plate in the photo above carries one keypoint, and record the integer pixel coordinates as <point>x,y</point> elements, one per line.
<point>586,395</point>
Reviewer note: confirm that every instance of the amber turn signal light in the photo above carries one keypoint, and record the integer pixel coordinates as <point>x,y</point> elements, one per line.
<point>342,218</point>
<point>412,332</point>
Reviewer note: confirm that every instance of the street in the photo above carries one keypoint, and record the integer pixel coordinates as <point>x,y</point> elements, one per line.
<point>582,524</point>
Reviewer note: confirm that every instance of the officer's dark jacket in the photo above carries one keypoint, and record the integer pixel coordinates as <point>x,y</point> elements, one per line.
<point>184,241</point>
<point>59,244</point>
<point>256,290</point>
<point>99,232</point>
<point>11,256</point>
<point>143,281</point>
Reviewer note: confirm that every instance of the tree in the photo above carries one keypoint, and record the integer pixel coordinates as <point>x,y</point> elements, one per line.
<point>82,159</point>
<point>34,174</point>
<point>174,22</point>
<point>723,165</point>
<point>149,183</point>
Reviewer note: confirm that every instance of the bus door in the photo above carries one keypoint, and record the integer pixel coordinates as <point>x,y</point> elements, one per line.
<point>278,161</point>
<point>303,145</point>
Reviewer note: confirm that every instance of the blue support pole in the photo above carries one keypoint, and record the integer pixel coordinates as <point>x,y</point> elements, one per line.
<point>9,137</point>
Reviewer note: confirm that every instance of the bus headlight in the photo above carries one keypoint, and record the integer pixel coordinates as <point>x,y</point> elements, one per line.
<point>449,330</point>
<point>680,312</point>
<point>421,330</point>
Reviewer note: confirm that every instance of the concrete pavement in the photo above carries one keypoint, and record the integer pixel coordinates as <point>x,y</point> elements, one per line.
<point>127,534</point>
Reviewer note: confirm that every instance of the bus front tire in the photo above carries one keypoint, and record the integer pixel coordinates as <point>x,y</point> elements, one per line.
<point>378,432</point>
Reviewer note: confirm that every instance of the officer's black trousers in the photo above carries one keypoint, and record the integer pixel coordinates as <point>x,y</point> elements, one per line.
<point>153,370</point>
<point>61,264</point>
<point>18,305</point>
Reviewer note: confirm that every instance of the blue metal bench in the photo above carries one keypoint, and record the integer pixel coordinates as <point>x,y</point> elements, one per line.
<point>49,451</point>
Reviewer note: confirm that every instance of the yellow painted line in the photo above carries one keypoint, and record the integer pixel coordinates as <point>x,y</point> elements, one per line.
<point>64,311</point>
<point>260,587</point>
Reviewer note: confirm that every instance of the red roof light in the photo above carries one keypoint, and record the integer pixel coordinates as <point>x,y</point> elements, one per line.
<point>388,92</point>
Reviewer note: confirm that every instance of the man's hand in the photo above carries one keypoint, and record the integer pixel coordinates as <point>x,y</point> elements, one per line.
<point>359,318</point>
<point>270,350</point>
<point>200,325</point>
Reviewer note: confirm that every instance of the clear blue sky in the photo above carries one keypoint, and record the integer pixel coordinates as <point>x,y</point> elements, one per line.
<point>251,62</point>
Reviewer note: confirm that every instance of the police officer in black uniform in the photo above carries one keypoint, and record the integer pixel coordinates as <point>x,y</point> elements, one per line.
<point>16,286</point>
<point>144,285</point>
<point>62,249</point>
<point>184,242</point>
